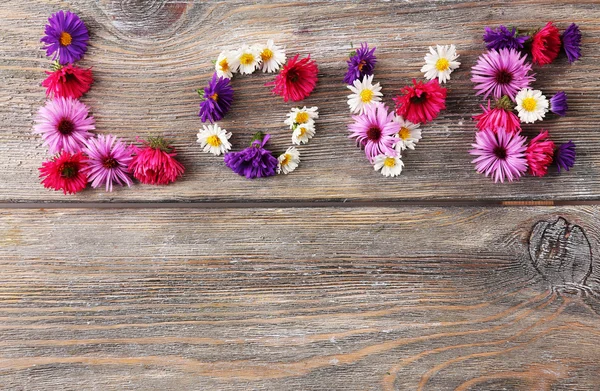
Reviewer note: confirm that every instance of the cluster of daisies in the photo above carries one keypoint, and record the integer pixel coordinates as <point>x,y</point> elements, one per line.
<point>384,135</point>
<point>504,73</point>
<point>295,81</point>
<point>65,124</point>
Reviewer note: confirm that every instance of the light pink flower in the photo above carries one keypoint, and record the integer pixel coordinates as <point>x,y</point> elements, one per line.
<point>108,161</point>
<point>500,154</point>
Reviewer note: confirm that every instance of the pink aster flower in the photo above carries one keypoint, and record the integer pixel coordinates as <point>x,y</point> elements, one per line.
<point>64,124</point>
<point>375,130</point>
<point>108,161</point>
<point>64,172</point>
<point>500,154</point>
<point>539,154</point>
<point>501,116</point>
<point>155,162</point>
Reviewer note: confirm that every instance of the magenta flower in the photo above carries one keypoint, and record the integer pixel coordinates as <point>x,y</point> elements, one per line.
<point>64,124</point>
<point>66,37</point>
<point>500,154</point>
<point>502,72</point>
<point>375,130</point>
<point>499,116</point>
<point>108,161</point>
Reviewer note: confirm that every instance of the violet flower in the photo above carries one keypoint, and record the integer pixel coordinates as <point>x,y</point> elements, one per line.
<point>564,156</point>
<point>571,42</point>
<point>360,64</point>
<point>216,99</point>
<point>503,38</point>
<point>254,161</point>
<point>558,104</point>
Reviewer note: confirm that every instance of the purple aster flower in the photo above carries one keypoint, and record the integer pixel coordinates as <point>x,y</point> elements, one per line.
<point>108,161</point>
<point>501,72</point>
<point>571,42</point>
<point>254,161</point>
<point>66,37</point>
<point>503,38</point>
<point>564,156</point>
<point>558,104</point>
<point>361,63</point>
<point>216,99</point>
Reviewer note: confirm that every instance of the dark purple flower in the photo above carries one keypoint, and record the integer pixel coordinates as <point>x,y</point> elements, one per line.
<point>503,38</point>
<point>564,156</point>
<point>254,161</point>
<point>66,37</point>
<point>558,104</point>
<point>216,99</point>
<point>571,42</point>
<point>361,63</point>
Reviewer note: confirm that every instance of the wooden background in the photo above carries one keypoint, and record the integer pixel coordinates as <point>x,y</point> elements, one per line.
<point>332,278</point>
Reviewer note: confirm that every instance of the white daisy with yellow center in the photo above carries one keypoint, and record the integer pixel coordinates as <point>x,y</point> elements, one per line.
<point>249,59</point>
<point>213,139</point>
<point>303,133</point>
<point>227,64</point>
<point>302,116</point>
<point>532,105</point>
<point>364,94</point>
<point>408,136</point>
<point>271,56</point>
<point>388,165</point>
<point>440,62</point>
<point>288,161</point>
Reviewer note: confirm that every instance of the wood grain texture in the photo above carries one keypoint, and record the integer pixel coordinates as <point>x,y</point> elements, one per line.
<point>150,56</point>
<point>299,299</point>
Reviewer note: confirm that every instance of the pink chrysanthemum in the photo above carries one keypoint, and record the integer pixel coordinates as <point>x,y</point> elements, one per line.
<point>108,161</point>
<point>64,124</point>
<point>539,154</point>
<point>64,172</point>
<point>500,154</point>
<point>421,102</point>
<point>503,72</point>
<point>297,79</point>
<point>68,81</point>
<point>501,116</point>
<point>375,130</point>
<point>155,162</point>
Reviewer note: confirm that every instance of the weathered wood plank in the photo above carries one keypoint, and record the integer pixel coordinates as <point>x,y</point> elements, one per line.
<point>150,56</point>
<point>300,299</point>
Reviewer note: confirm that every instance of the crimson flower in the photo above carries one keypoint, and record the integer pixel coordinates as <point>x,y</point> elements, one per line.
<point>545,45</point>
<point>297,79</point>
<point>68,81</point>
<point>421,102</point>
<point>65,172</point>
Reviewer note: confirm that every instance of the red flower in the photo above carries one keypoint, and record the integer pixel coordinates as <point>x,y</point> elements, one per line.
<point>545,45</point>
<point>64,172</point>
<point>297,79</point>
<point>500,116</point>
<point>539,154</point>
<point>421,102</point>
<point>68,81</point>
<point>155,163</point>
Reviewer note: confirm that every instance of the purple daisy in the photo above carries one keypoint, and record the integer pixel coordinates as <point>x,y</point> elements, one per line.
<point>64,124</point>
<point>108,161</point>
<point>500,154</point>
<point>501,72</point>
<point>503,38</point>
<point>216,99</point>
<point>66,37</point>
<point>571,42</point>
<point>375,130</point>
<point>360,64</point>
<point>254,161</point>
<point>564,156</point>
<point>558,104</point>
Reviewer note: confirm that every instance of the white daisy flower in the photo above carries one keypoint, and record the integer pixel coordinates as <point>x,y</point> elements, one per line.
<point>249,59</point>
<point>288,161</point>
<point>213,139</point>
<point>440,62</point>
<point>388,165</point>
<point>364,94</point>
<point>303,133</point>
<point>408,136</point>
<point>531,104</point>
<point>299,116</point>
<point>271,56</point>
<point>227,64</point>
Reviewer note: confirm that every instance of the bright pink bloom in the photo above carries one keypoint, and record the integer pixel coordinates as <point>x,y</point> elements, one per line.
<point>501,72</point>
<point>108,161</point>
<point>64,172</point>
<point>498,117</point>
<point>539,153</point>
<point>155,163</point>
<point>375,130</point>
<point>297,79</point>
<point>545,45</point>
<point>500,154</point>
<point>68,81</point>
<point>421,102</point>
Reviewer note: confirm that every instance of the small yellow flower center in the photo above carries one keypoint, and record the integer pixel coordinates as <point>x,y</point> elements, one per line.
<point>389,162</point>
<point>302,132</point>
<point>302,117</point>
<point>224,65</point>
<point>366,96</point>
<point>214,96</point>
<point>442,64</point>
<point>286,159</point>
<point>529,104</point>
<point>65,38</point>
<point>266,54</point>
<point>213,140</point>
<point>361,65</point>
<point>404,133</point>
<point>246,59</point>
